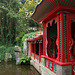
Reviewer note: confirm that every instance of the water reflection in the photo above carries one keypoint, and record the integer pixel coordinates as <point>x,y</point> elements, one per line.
<point>10,68</point>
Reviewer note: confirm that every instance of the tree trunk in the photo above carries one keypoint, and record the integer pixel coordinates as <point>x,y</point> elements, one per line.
<point>1,27</point>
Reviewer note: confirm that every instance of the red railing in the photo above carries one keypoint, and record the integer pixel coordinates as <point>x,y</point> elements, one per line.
<point>36,56</point>
<point>32,54</point>
<point>50,64</point>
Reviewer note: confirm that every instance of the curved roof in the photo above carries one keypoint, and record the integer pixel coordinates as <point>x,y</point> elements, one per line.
<point>46,6</point>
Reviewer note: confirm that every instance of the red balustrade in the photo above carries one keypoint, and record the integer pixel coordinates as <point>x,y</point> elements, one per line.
<point>50,65</point>
<point>32,54</point>
<point>36,56</point>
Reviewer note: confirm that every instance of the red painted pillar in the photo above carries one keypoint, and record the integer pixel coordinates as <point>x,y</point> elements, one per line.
<point>62,36</point>
<point>39,51</point>
<point>68,28</point>
<point>34,49</point>
<point>58,37</point>
<point>44,39</point>
<point>31,47</point>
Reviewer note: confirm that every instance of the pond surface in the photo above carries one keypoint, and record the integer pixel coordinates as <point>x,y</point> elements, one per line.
<point>10,68</point>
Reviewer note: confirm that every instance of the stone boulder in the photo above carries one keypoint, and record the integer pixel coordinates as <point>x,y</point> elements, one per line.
<point>8,57</point>
<point>18,53</point>
<point>17,49</point>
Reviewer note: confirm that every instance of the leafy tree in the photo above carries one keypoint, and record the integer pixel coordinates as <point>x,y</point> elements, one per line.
<point>25,24</point>
<point>15,19</point>
<point>23,1</point>
<point>8,20</point>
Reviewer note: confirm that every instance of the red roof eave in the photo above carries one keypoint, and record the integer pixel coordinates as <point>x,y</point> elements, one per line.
<point>49,8</point>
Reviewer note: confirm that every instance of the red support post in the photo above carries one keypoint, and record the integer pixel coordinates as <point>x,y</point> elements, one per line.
<point>39,51</point>
<point>68,27</point>
<point>44,39</point>
<point>31,49</point>
<point>34,49</point>
<point>58,38</point>
<point>62,36</point>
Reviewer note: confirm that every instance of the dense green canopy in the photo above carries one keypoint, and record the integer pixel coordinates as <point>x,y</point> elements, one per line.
<point>15,20</point>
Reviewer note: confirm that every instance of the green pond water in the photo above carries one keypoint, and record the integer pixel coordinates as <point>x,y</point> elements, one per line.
<point>10,68</point>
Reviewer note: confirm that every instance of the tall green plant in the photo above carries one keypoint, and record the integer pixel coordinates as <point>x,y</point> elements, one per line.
<point>8,20</point>
<point>24,59</point>
<point>11,51</point>
<point>2,52</point>
<point>4,49</point>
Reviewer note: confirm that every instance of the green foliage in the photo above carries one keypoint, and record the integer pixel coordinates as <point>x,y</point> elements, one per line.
<point>24,59</point>
<point>2,52</point>
<point>11,51</point>
<point>15,20</point>
<point>18,38</point>
<point>25,24</point>
<point>30,5</point>
<point>29,35</point>
<point>14,23</point>
<point>4,49</point>
<point>8,20</point>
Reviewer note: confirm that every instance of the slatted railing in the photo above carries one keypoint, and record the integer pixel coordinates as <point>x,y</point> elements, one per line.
<point>35,56</point>
<point>51,65</point>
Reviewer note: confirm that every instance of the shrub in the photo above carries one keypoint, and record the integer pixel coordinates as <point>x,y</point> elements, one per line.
<point>2,52</point>
<point>29,35</point>
<point>11,51</point>
<point>4,49</point>
<point>24,59</point>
